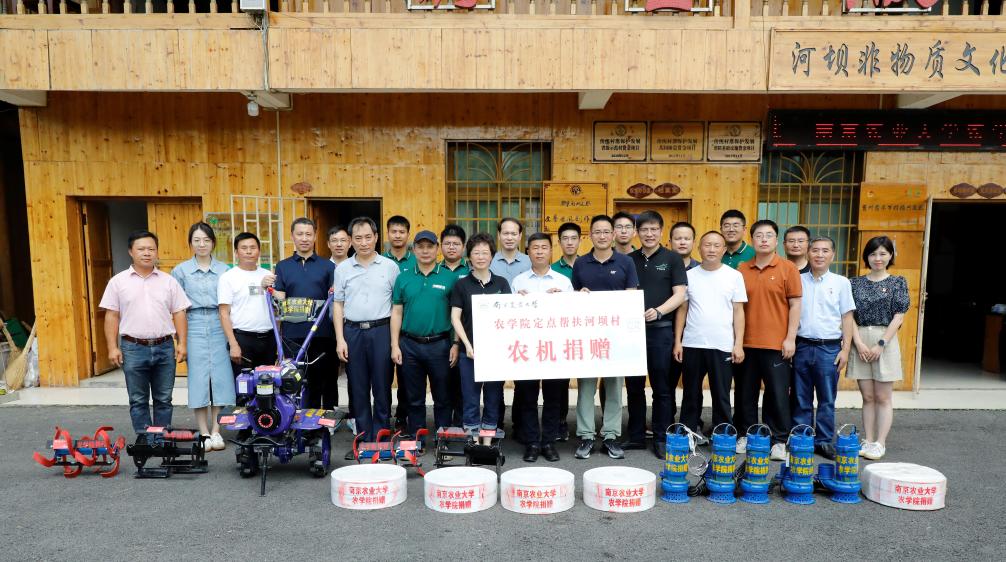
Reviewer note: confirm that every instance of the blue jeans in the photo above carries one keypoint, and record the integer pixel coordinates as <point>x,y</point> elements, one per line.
<point>420,360</point>
<point>369,373</point>
<point>150,372</point>
<point>816,372</point>
<point>491,394</point>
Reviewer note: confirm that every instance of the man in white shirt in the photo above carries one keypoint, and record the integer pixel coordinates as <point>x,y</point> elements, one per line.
<point>244,308</point>
<point>823,341</point>
<point>709,331</point>
<point>541,278</point>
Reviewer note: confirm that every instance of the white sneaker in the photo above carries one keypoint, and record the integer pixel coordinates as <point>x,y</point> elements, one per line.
<point>864,446</point>
<point>742,445</point>
<point>874,451</point>
<point>778,452</point>
<point>217,442</point>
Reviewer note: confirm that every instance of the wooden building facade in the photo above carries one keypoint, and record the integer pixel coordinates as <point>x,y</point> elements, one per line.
<point>143,118</point>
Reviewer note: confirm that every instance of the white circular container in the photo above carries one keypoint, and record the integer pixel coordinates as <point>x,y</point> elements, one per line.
<point>904,485</point>
<point>619,489</point>
<point>368,486</point>
<point>537,490</point>
<point>460,489</point>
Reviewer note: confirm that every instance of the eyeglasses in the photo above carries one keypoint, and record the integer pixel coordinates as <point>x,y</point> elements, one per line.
<point>453,244</point>
<point>601,232</point>
<point>764,236</point>
<point>732,226</point>
<point>649,230</point>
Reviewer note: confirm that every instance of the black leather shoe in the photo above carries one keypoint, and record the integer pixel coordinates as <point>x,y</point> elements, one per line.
<point>548,451</point>
<point>634,446</point>
<point>531,453</point>
<point>563,432</point>
<point>826,450</point>
<point>349,456</point>
<point>659,450</point>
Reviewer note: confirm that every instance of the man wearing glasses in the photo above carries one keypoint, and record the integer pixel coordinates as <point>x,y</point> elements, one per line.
<point>603,269</point>
<point>732,225</point>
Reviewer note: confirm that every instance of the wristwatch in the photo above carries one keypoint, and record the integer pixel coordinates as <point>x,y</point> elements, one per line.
<point>881,343</point>
<point>659,314</point>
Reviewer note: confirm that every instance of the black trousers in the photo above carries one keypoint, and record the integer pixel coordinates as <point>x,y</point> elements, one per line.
<point>401,395</point>
<point>256,350</point>
<point>664,373</point>
<point>764,366</point>
<point>322,374</point>
<point>551,390</point>
<point>698,362</point>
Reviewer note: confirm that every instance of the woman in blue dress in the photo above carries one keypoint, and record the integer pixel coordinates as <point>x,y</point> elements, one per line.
<point>210,379</point>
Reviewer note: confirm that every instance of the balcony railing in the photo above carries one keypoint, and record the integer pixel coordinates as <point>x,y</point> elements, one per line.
<point>627,8</point>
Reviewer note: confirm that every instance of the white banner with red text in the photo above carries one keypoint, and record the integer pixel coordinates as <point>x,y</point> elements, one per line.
<point>559,335</point>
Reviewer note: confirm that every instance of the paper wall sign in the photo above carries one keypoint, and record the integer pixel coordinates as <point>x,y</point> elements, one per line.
<point>733,142</point>
<point>683,141</point>
<point>559,335</point>
<point>575,202</point>
<point>620,141</point>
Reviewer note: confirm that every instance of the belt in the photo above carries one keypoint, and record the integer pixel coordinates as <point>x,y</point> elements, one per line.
<point>816,341</point>
<point>368,324</point>
<point>427,339</point>
<point>202,310</point>
<point>147,342</point>
<point>659,324</point>
<point>260,335</point>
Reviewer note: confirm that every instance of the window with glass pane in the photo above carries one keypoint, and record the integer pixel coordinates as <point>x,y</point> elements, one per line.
<point>819,190</point>
<point>487,181</point>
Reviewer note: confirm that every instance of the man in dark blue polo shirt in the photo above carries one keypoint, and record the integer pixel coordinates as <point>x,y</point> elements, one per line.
<point>602,269</point>
<point>663,281</point>
<point>306,275</point>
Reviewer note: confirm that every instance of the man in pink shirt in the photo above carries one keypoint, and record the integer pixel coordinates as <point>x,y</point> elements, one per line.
<point>145,309</point>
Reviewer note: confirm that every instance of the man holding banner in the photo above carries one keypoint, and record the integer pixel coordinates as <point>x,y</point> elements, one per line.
<point>540,438</point>
<point>602,269</point>
<point>663,281</point>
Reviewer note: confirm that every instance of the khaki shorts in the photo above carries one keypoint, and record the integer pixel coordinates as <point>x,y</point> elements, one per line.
<point>885,369</point>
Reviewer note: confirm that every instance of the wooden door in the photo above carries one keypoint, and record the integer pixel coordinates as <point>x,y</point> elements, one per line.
<point>897,210</point>
<point>170,221</point>
<point>671,211</point>
<point>98,265</point>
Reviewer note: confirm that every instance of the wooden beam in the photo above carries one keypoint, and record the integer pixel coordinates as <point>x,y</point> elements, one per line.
<point>922,101</point>
<point>594,99</point>
<point>24,98</point>
<point>272,100</point>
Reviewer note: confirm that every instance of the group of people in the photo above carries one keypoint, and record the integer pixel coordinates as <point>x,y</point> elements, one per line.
<point>740,315</point>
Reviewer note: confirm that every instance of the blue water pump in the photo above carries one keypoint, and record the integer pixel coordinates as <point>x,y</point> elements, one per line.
<point>844,486</point>
<point>720,474</point>
<point>756,481</point>
<point>797,475</point>
<point>674,477</point>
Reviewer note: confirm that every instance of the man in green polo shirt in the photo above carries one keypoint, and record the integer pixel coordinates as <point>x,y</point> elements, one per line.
<point>452,246</point>
<point>569,242</point>
<point>421,343</point>
<point>398,242</point>
<point>397,233</point>
<point>732,225</point>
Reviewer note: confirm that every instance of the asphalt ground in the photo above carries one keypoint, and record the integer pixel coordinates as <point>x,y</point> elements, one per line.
<point>220,516</point>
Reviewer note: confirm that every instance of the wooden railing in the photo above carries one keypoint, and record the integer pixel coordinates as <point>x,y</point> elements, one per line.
<point>719,8</point>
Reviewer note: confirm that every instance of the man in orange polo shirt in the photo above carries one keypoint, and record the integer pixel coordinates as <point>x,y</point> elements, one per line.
<point>772,315</point>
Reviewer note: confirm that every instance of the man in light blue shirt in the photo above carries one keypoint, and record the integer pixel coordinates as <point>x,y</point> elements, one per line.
<point>823,341</point>
<point>509,261</point>
<point>361,312</point>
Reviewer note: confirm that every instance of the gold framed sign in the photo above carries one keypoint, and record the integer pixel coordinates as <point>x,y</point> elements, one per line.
<point>620,141</point>
<point>733,142</point>
<point>575,202</point>
<point>677,141</point>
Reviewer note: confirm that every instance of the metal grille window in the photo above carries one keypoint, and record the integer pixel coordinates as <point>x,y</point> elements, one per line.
<point>487,181</point>
<point>819,190</point>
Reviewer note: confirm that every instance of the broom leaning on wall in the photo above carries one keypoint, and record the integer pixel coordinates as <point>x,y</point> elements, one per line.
<point>18,367</point>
